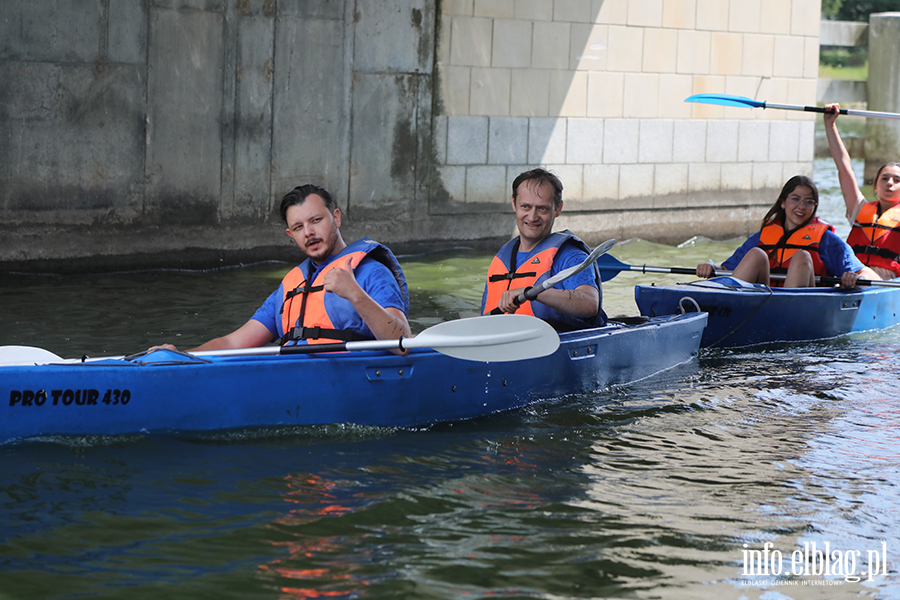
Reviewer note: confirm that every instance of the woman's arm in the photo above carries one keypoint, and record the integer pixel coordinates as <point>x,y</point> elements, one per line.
<point>853,197</point>
<point>840,261</point>
<point>708,269</point>
<point>731,263</point>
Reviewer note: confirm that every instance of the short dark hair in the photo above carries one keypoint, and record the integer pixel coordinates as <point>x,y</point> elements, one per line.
<point>299,194</point>
<point>540,177</point>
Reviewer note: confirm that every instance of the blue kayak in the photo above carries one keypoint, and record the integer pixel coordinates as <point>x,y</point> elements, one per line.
<point>172,392</point>
<point>745,314</point>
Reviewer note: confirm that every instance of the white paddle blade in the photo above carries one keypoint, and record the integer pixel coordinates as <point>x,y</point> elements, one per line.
<point>490,338</point>
<point>26,355</point>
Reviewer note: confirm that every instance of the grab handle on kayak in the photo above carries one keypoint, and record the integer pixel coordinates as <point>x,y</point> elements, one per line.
<point>691,300</point>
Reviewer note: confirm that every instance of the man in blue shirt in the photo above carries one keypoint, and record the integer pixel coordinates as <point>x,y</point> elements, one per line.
<point>341,292</point>
<point>537,254</point>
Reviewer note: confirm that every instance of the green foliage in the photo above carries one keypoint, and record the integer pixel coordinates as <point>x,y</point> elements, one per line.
<point>856,10</point>
<point>838,56</point>
<point>830,9</point>
<point>837,62</point>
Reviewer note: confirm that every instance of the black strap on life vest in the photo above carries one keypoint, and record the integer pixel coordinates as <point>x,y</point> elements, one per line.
<point>307,289</point>
<point>877,226</point>
<point>314,333</point>
<point>509,276</point>
<point>295,334</point>
<point>876,251</point>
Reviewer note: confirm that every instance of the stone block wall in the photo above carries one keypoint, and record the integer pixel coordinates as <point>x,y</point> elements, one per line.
<point>594,90</point>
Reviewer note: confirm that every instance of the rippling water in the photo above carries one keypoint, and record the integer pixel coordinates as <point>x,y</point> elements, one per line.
<point>658,489</point>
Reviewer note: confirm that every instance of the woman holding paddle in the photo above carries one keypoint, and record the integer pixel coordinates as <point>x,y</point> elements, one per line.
<point>875,232</point>
<point>795,242</point>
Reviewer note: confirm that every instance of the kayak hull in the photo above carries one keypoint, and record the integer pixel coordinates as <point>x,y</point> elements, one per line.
<point>168,392</point>
<point>742,314</point>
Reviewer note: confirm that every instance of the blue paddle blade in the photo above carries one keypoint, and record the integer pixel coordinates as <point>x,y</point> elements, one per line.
<point>610,266</point>
<point>725,100</point>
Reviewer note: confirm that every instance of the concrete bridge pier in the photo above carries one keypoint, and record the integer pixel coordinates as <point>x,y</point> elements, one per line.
<point>883,135</point>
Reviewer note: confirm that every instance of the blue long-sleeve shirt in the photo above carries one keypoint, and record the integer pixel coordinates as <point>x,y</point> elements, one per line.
<point>837,256</point>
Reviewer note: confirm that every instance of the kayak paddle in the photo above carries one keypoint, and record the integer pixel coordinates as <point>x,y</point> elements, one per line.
<point>26,355</point>
<point>744,102</point>
<point>532,292</point>
<point>490,338</point>
<point>500,338</point>
<point>610,266</point>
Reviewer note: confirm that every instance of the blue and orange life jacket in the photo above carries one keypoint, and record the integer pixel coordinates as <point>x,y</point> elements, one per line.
<point>307,312</point>
<point>875,238</point>
<point>504,274</point>
<point>781,245</point>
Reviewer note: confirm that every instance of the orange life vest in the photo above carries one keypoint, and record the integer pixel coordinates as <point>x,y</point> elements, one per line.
<point>780,245</point>
<point>504,274</point>
<point>875,238</point>
<point>311,317</point>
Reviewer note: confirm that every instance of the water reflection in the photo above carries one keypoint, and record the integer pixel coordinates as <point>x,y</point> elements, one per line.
<point>779,458</point>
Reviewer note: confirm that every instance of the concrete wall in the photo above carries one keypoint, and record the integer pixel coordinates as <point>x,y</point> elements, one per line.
<point>595,91</point>
<point>134,130</point>
<point>164,132</point>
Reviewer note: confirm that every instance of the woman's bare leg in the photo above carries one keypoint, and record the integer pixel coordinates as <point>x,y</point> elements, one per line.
<point>800,271</point>
<point>753,268</point>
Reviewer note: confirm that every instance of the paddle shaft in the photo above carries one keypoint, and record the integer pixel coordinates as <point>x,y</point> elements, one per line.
<point>308,348</point>
<point>649,269</point>
<point>532,293</point>
<point>843,111</point>
<point>684,271</point>
<point>397,344</point>
<point>717,273</point>
<point>869,282</point>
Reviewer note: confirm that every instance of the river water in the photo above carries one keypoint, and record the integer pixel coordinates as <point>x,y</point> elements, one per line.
<point>717,479</point>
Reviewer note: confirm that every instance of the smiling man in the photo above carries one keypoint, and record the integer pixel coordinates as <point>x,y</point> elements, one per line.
<point>537,254</point>
<point>340,292</point>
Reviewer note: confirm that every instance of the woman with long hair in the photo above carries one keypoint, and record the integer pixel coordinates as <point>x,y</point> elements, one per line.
<point>794,242</point>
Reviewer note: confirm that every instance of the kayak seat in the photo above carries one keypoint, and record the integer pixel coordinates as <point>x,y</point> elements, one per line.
<point>638,320</point>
